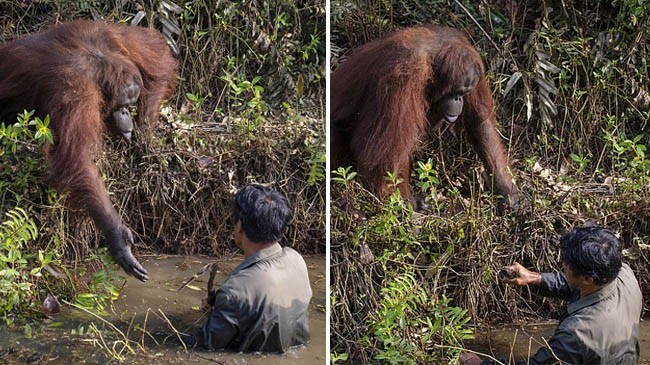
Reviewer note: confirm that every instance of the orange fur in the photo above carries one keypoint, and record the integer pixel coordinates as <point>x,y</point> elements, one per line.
<point>386,94</point>
<point>74,72</point>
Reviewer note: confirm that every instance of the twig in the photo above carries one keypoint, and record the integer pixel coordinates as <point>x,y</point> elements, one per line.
<point>176,332</point>
<point>487,35</point>
<point>211,266</point>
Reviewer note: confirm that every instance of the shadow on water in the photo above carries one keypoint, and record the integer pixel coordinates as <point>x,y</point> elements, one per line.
<point>522,341</point>
<point>154,308</point>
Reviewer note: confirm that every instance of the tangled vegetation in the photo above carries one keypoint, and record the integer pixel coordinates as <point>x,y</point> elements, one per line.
<point>571,89</point>
<point>249,108</point>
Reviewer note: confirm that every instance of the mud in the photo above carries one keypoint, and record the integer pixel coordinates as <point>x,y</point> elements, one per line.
<point>149,314</point>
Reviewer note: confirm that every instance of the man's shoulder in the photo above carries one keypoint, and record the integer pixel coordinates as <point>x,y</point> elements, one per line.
<point>290,252</point>
<point>626,272</point>
<point>288,268</point>
<point>628,282</point>
<point>288,257</point>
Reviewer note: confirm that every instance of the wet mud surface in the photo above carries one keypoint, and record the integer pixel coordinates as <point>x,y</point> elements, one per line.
<point>149,314</point>
<point>521,341</point>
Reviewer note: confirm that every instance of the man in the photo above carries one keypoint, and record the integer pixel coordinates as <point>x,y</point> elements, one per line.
<point>263,305</point>
<point>601,322</point>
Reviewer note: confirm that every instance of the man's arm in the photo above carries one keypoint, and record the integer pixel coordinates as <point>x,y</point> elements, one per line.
<point>546,284</point>
<point>223,325</point>
<point>556,285</point>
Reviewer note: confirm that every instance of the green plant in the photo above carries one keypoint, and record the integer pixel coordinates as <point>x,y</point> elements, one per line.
<point>17,133</point>
<point>316,168</point>
<point>21,259</point>
<point>20,153</point>
<point>628,156</point>
<point>20,265</point>
<point>335,357</point>
<point>395,223</point>
<point>427,177</point>
<point>631,11</point>
<point>393,181</point>
<point>245,96</point>
<point>102,289</point>
<point>20,169</point>
<point>409,323</point>
<point>197,101</point>
<point>581,161</point>
<point>343,175</point>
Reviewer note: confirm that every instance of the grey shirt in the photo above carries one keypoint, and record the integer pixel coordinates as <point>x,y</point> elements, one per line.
<point>601,328</point>
<point>262,306</point>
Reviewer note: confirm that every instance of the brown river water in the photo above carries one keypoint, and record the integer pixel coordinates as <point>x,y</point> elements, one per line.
<point>155,307</point>
<point>519,342</point>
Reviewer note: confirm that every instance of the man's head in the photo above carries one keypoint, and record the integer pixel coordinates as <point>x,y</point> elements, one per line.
<point>262,212</point>
<point>591,253</point>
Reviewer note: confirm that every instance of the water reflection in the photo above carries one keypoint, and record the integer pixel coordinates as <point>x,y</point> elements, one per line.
<point>519,342</point>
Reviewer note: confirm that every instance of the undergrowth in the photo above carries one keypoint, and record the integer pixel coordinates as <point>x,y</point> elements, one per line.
<point>29,271</point>
<point>570,85</point>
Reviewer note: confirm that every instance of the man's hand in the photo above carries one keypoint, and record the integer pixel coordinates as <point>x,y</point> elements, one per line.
<point>208,302</point>
<point>205,307</point>
<point>518,275</point>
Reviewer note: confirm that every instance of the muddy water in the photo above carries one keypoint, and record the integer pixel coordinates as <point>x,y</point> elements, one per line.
<point>155,309</point>
<point>519,342</point>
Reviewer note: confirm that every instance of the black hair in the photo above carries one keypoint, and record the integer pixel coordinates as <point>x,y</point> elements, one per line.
<point>593,252</point>
<point>263,212</point>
